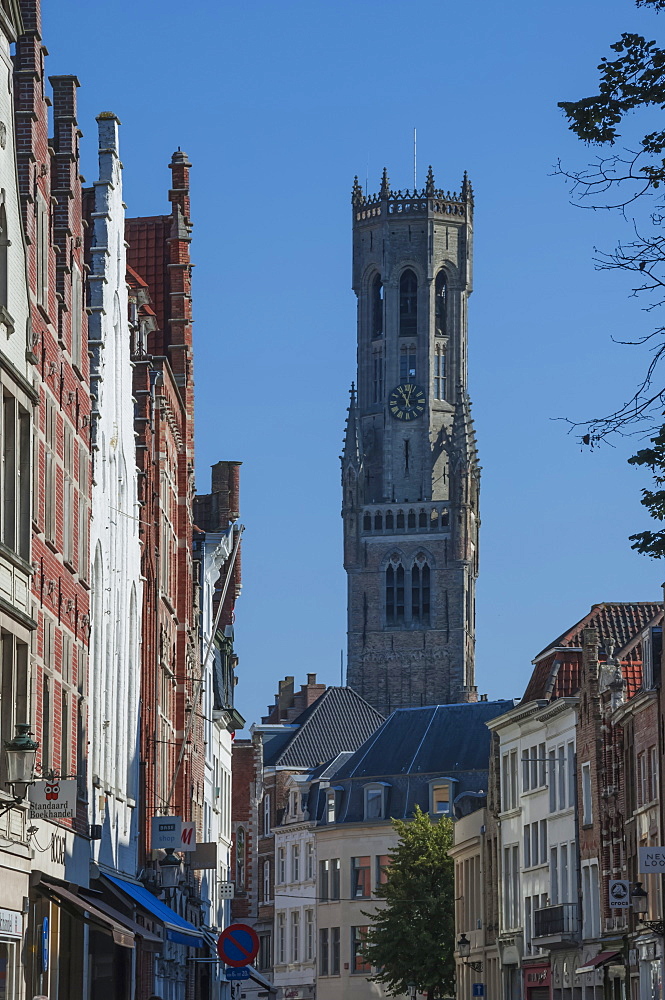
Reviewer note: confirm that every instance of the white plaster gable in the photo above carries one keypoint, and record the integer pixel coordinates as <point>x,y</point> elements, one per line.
<point>114,538</point>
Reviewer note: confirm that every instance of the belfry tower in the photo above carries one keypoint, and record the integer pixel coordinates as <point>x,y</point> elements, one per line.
<point>410,474</point>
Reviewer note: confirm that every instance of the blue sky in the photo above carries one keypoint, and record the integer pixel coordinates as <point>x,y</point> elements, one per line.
<point>278,106</point>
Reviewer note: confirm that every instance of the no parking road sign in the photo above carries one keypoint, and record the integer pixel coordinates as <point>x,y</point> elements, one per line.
<point>238,945</point>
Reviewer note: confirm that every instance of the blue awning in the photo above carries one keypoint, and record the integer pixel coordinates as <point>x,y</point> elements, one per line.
<point>177,928</point>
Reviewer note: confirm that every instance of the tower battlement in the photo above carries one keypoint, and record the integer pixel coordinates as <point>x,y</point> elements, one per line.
<point>429,200</point>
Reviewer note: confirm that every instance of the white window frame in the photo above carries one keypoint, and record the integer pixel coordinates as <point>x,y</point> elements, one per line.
<point>266,814</point>
<point>587,798</point>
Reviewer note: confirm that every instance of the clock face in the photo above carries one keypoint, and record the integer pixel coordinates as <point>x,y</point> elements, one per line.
<point>407,401</point>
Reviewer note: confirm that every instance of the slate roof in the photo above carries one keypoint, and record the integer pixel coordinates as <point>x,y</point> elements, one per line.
<point>438,740</point>
<point>338,720</point>
<point>557,675</point>
<point>148,254</point>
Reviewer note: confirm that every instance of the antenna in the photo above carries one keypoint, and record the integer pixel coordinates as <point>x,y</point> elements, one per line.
<point>341,667</point>
<point>367,175</point>
<point>415,171</point>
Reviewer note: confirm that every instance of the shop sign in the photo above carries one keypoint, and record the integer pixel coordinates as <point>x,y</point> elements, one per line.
<point>619,893</point>
<point>166,832</point>
<point>11,923</point>
<point>53,799</point>
<point>187,837</point>
<point>652,859</point>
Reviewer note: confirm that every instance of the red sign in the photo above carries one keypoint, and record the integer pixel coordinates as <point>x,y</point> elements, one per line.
<point>238,945</point>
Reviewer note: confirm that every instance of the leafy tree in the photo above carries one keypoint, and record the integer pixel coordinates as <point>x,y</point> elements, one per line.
<point>629,182</point>
<point>412,939</point>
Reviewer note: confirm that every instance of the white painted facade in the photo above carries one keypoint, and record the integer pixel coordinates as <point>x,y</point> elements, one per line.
<point>16,423</point>
<point>114,539</point>
<point>538,865</point>
<point>295,896</point>
<point>216,549</point>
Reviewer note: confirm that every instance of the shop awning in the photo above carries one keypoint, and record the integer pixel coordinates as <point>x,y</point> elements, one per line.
<point>122,934</point>
<point>177,928</point>
<point>261,980</point>
<point>594,963</point>
<point>153,940</point>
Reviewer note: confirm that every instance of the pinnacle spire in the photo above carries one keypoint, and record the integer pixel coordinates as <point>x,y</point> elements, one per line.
<point>385,184</point>
<point>467,190</point>
<point>463,436</point>
<point>356,192</point>
<point>351,455</point>
<point>429,186</point>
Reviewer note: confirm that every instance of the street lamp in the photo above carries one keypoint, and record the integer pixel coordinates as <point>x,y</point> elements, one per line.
<point>464,950</point>
<point>412,988</point>
<point>640,900</point>
<point>170,868</point>
<point>21,753</point>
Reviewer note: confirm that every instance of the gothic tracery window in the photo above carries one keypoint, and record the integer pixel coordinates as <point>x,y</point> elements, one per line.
<point>408,304</point>
<point>440,374</point>
<point>377,306</point>
<point>395,592</point>
<point>441,305</point>
<point>407,363</point>
<point>420,590</point>
<point>408,591</point>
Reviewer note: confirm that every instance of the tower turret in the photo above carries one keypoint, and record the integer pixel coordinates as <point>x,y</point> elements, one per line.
<point>410,472</point>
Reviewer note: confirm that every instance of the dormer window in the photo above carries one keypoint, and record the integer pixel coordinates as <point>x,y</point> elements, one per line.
<point>375,801</point>
<point>441,796</point>
<point>330,807</point>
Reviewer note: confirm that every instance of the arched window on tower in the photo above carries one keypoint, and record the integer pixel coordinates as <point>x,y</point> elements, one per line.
<point>377,306</point>
<point>441,305</point>
<point>408,304</point>
<point>4,250</point>
<point>440,373</point>
<point>420,591</point>
<point>395,592</point>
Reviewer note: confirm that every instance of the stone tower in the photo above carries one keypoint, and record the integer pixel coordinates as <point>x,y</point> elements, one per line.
<point>410,474</point>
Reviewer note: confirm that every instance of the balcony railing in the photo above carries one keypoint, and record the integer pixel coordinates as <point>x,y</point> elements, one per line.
<point>555,921</point>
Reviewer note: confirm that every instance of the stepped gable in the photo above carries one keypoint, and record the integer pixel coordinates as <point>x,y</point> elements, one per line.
<point>556,673</point>
<point>338,720</point>
<point>439,739</point>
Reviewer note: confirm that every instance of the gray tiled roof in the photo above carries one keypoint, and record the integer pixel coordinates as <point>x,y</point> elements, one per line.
<point>337,721</point>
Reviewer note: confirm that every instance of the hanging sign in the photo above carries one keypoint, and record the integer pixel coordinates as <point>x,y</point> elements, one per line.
<point>165,832</point>
<point>619,893</point>
<point>652,859</point>
<point>187,837</point>
<point>53,799</point>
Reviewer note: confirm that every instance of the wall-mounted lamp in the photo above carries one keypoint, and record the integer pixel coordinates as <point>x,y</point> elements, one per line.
<point>464,950</point>
<point>639,898</point>
<point>170,869</point>
<point>21,754</point>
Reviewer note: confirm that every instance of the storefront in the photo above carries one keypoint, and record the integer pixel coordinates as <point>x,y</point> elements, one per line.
<point>537,981</point>
<point>650,964</point>
<point>11,936</point>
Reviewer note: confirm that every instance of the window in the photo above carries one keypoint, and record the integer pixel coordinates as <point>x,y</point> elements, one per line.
<point>309,935</point>
<point>440,374</point>
<point>16,454</point>
<point>68,494</point>
<point>527,846</point>
<point>281,865</point>
<point>408,304</point>
<point>382,865</point>
<point>420,592</point>
<point>590,900</point>
<point>324,873</point>
<point>377,306</point>
<point>13,691</point>
<point>571,774</point>
<point>265,956</point>
<point>266,814</point>
<point>77,316</point>
<point>334,951</point>
<point>266,881</point>
<point>42,226</point>
<point>330,808</point>
<point>441,799</point>
<point>295,936</point>
<point>323,951</point>
<point>4,246</point>
<point>359,964</point>
<point>295,863</point>
<point>377,377</point>
<point>309,865</point>
<point>335,878</point>
<point>441,306</point>
<point>587,808</point>
<point>554,876</point>
<point>511,882</point>
<point>360,878</point>
<point>50,470</point>
<point>653,772</point>
<point>374,802</point>
<point>240,858</point>
<point>395,593</point>
<point>551,779</point>
<point>509,780</point>
<point>407,364</point>
<point>281,938</point>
